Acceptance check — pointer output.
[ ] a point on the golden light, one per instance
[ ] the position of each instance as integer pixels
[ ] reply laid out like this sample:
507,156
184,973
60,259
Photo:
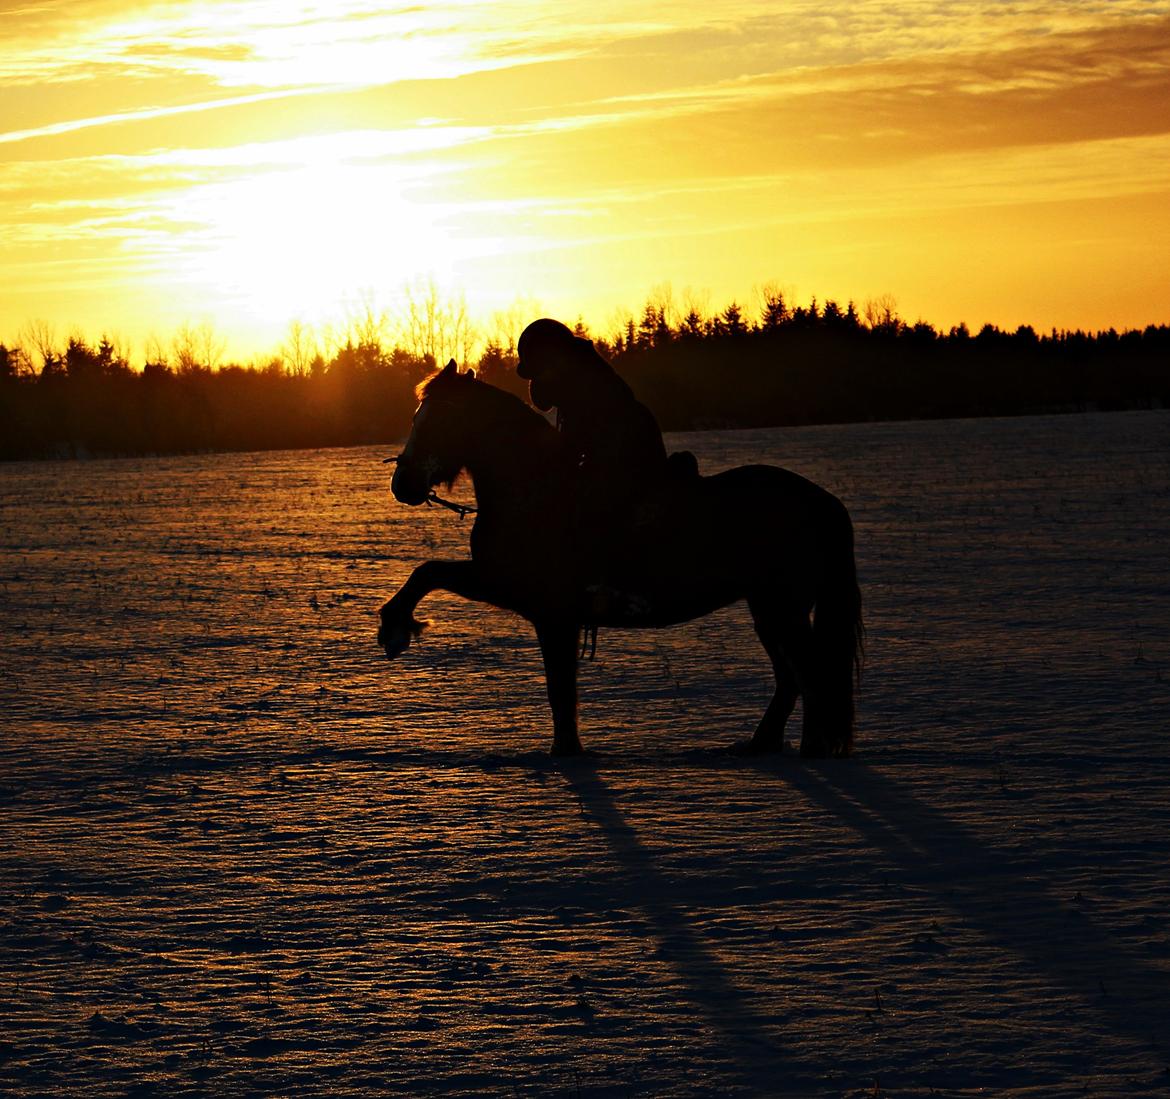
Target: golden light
301,228
251,161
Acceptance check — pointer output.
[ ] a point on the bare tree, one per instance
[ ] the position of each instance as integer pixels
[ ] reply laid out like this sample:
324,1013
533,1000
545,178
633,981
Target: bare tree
211,345
40,336
507,324
464,336
331,339
155,354
661,299
299,348
198,349
185,349
882,312
434,328
367,325
420,321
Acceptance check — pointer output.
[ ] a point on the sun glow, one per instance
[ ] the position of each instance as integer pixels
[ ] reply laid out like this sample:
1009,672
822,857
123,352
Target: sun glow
309,225
251,162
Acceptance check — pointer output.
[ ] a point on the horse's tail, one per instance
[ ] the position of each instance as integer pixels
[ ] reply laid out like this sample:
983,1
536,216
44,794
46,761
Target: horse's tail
838,637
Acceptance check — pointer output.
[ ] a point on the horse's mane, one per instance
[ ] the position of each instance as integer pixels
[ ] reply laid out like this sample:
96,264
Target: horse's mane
494,401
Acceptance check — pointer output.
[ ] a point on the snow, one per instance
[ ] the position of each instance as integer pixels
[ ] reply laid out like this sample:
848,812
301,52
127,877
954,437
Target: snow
240,853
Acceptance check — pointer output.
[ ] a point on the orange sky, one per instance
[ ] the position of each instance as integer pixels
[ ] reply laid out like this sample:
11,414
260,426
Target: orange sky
248,163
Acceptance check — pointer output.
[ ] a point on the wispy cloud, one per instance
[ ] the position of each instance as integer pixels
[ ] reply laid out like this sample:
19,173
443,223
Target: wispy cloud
68,126
183,135
262,43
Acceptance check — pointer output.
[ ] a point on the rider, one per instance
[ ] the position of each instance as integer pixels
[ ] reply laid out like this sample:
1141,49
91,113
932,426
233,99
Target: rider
613,439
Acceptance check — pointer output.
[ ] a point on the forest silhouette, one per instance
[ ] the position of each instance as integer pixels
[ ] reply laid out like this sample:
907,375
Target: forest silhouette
782,366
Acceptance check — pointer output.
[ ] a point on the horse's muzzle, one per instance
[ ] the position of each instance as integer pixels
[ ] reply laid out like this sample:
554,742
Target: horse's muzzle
408,486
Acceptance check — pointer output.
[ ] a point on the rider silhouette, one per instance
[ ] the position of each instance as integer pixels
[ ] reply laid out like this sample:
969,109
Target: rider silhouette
613,441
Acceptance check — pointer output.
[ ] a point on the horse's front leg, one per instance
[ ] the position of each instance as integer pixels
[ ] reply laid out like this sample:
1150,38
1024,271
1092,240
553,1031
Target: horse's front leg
558,646
399,626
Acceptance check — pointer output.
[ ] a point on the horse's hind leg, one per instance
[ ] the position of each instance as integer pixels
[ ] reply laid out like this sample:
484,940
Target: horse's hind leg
836,648
785,638
819,672
828,702
558,646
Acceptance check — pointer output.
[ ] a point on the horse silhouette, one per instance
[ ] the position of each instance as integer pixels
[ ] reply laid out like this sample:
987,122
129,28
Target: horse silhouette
756,532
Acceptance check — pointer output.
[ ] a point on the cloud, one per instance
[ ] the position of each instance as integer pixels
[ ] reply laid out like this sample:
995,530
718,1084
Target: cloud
1071,88
981,127
146,133
819,72
266,44
144,114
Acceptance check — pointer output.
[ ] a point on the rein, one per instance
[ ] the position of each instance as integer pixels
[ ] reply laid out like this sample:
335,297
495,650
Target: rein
462,510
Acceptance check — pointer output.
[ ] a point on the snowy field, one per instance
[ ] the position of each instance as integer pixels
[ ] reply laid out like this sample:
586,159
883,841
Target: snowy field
241,854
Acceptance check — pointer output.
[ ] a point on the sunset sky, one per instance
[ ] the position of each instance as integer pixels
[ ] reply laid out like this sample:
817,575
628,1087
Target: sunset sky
247,163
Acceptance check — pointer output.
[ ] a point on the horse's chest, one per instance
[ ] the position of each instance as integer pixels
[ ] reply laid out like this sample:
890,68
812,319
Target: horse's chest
530,565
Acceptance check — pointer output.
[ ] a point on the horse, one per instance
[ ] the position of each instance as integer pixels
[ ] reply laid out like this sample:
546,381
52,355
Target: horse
757,533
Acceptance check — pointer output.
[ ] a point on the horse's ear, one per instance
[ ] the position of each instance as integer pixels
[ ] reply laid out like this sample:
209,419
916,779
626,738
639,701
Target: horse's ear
451,368
470,375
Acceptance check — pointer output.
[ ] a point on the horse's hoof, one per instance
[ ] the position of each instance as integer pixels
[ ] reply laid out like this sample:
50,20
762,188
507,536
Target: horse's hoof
394,642
395,636
393,651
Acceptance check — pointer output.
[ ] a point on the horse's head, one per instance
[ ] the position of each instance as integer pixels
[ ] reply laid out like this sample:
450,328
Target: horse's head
435,452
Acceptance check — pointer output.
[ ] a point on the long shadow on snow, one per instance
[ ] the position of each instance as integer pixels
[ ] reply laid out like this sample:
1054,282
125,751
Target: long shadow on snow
749,1040
988,888
983,887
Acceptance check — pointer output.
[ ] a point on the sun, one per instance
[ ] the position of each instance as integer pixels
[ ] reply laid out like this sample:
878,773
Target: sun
302,239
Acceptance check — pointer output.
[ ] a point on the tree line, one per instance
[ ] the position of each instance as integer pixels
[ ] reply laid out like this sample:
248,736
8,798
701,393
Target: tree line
777,365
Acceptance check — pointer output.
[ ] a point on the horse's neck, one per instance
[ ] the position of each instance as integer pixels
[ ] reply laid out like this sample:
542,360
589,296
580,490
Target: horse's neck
516,461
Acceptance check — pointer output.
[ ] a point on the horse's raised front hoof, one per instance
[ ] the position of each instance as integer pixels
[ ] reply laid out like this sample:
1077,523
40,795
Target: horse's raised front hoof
394,642
395,635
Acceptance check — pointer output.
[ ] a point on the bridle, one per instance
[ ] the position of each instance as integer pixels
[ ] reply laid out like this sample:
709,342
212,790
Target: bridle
462,510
